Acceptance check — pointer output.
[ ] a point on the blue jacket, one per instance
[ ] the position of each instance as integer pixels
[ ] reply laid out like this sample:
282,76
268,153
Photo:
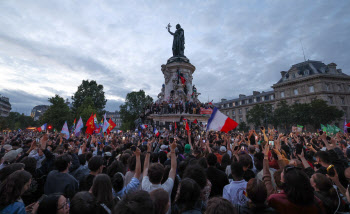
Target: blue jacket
14,208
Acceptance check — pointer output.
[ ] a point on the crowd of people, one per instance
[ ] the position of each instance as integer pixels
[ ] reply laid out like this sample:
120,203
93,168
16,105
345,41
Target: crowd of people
190,172
173,107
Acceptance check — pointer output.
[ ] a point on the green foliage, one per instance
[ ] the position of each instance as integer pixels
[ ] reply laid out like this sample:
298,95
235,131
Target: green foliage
94,91
86,109
134,104
260,115
282,116
17,121
322,113
57,113
242,127
285,116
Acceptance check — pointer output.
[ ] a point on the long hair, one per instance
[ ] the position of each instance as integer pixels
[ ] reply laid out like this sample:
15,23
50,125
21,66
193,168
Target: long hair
257,193
189,194
102,189
12,188
297,186
326,192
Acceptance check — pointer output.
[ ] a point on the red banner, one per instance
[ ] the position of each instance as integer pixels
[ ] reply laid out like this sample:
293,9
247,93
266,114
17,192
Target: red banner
206,111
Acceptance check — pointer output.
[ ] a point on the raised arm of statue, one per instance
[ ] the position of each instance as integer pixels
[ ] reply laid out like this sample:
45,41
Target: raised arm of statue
168,27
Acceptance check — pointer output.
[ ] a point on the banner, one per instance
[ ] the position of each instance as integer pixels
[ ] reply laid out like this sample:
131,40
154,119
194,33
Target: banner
206,111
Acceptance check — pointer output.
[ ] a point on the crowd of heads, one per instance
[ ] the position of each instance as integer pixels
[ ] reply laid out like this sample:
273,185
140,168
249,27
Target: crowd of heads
178,172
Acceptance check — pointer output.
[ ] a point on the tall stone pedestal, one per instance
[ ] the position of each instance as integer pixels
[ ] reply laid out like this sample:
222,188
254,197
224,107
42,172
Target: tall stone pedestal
178,75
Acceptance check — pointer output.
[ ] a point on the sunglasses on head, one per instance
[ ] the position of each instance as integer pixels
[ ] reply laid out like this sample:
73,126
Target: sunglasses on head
290,167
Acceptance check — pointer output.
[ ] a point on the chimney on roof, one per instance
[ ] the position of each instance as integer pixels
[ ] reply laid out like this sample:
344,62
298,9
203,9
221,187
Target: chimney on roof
256,93
332,67
241,95
223,100
283,73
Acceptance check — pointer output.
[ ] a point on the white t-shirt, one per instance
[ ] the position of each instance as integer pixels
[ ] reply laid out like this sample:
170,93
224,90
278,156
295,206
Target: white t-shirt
167,186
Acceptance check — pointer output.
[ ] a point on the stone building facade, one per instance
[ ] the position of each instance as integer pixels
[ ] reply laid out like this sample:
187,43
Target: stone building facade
302,83
38,111
5,106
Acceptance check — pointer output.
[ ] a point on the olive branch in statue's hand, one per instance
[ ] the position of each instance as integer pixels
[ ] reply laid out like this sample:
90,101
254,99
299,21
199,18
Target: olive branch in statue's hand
168,27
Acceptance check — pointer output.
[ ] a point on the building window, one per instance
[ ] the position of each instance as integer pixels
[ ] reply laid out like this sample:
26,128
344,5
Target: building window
293,75
233,104
282,94
266,97
236,104
228,113
306,72
222,106
297,101
262,98
295,91
272,97
254,100
273,108
250,100
339,87
348,87
330,100
258,99
311,89
240,119
239,111
246,110
243,102
342,100
233,112
327,87
230,104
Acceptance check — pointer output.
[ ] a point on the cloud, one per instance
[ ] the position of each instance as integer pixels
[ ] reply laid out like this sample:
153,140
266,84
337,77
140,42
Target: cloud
236,46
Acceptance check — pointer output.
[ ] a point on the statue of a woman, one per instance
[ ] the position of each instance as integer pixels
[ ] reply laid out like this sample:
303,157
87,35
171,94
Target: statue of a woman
179,40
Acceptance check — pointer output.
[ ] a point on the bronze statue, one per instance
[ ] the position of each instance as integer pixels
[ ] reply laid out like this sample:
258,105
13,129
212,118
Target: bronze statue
179,40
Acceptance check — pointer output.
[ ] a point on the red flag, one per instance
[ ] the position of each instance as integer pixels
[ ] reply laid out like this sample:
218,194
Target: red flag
90,125
195,121
183,80
175,126
347,125
187,126
111,126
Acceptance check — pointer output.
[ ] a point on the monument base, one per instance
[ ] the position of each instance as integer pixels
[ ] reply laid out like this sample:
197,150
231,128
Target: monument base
163,120
178,59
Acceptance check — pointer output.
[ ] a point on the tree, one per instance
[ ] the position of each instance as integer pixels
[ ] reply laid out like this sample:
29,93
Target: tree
260,114
134,105
89,89
86,109
17,121
301,113
322,113
282,116
57,113
243,127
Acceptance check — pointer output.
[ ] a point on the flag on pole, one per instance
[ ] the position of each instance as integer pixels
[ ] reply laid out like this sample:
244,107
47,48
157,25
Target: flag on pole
175,127
155,131
73,126
97,126
220,122
111,125
79,126
195,121
90,125
345,127
105,124
42,128
65,130
324,128
299,128
143,126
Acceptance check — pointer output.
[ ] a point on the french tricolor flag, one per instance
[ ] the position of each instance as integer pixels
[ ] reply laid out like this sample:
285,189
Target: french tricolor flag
42,128
220,122
143,126
156,132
